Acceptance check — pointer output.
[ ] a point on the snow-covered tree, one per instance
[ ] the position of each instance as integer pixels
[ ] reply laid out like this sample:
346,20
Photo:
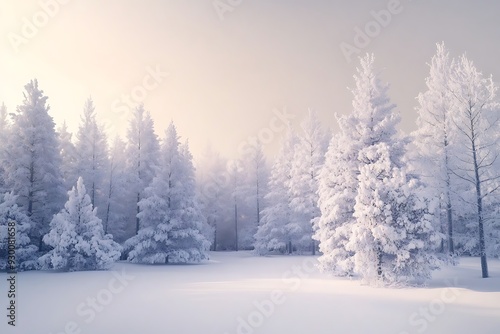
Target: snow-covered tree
67,151
13,219
307,162
477,119
92,156
115,218
278,229
142,159
214,194
253,188
172,224
32,164
371,121
4,134
435,139
393,237
78,238
237,194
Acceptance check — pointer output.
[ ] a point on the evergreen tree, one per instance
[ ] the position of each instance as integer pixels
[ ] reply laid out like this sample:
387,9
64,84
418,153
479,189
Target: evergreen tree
371,121
307,162
78,238
171,221
115,220
33,163
11,217
92,156
67,151
142,159
4,135
214,194
253,188
279,230
393,237
435,140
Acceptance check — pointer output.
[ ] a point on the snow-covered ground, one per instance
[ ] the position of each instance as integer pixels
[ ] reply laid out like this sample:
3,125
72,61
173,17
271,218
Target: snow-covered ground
242,293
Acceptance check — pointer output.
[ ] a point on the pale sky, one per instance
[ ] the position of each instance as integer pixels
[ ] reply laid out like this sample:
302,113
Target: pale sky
225,76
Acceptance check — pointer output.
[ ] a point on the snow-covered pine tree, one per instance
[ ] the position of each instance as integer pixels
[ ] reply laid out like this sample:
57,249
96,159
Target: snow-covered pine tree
115,220
142,158
33,164
67,151
254,188
77,236
171,221
92,157
307,162
477,118
393,237
278,230
4,134
194,213
433,160
214,195
11,216
371,121
237,193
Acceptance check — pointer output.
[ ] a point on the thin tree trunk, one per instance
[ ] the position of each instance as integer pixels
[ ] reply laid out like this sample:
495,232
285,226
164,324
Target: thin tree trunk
482,247
137,212
235,226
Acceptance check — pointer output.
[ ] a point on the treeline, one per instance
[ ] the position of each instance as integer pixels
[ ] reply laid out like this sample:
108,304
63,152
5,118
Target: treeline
375,202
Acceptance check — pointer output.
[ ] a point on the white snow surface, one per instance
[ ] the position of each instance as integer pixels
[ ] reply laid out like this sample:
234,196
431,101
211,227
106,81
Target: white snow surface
221,296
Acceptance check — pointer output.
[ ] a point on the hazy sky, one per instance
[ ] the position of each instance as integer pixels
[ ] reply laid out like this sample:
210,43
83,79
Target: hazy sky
229,68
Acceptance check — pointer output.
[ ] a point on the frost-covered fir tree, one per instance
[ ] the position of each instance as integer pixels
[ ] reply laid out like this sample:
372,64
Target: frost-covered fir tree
478,121
92,156
142,159
279,230
393,238
171,221
67,151
371,121
117,187
33,170
77,236
307,162
435,141
4,134
13,219
253,189
214,194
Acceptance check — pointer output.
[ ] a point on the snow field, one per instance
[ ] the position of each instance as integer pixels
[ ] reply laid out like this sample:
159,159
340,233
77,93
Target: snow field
237,292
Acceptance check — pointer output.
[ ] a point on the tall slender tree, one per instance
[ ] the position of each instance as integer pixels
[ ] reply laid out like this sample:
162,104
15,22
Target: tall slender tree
92,157
4,135
116,192
142,158
67,151
279,230
33,163
307,162
477,119
435,138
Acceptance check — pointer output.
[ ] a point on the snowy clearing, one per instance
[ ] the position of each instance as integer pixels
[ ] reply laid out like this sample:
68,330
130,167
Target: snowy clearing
242,293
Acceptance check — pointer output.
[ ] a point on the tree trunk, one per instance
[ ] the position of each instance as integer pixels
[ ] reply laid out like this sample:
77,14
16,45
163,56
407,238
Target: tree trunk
482,247
137,218
235,226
